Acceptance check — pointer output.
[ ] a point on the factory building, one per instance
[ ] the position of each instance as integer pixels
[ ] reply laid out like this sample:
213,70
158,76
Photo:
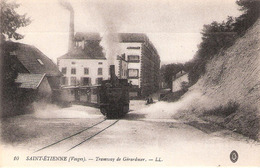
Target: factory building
86,64
143,63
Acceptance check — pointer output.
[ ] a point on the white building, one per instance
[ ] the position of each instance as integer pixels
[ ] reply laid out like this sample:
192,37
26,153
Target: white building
143,63
133,55
178,79
83,71
86,64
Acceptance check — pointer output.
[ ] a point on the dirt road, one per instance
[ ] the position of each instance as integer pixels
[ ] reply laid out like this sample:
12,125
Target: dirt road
146,136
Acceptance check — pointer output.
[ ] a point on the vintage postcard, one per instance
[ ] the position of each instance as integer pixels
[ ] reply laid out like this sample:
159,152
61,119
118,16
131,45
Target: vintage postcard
130,83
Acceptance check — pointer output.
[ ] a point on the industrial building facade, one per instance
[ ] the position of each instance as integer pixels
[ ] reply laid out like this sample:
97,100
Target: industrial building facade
143,63
86,64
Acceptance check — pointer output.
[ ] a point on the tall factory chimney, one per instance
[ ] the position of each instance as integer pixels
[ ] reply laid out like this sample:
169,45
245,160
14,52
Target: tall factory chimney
71,31
69,7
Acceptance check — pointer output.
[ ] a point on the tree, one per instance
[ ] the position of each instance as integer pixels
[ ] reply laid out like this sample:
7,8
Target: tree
251,12
11,20
170,70
217,37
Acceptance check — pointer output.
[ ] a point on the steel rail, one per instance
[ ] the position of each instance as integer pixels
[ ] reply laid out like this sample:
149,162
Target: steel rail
93,135
69,136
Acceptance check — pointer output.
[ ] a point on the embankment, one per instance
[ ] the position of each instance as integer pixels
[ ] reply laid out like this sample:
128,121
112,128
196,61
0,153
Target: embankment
229,92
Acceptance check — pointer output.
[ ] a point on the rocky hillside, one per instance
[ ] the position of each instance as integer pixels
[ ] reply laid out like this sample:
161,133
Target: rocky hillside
229,93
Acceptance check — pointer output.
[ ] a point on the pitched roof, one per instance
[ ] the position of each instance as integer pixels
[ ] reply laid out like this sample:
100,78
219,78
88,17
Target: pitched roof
180,74
84,54
123,37
29,81
95,51
79,36
33,59
133,37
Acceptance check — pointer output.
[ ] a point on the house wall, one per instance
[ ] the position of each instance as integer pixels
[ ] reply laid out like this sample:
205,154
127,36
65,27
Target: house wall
83,95
121,68
176,84
67,95
92,65
44,89
54,81
148,67
79,65
133,49
150,70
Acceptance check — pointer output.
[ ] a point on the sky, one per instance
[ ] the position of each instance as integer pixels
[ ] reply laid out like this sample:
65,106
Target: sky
173,26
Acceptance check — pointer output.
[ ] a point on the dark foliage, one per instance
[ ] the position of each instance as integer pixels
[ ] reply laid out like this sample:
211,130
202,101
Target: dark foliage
169,71
10,89
251,12
223,111
11,20
14,100
217,37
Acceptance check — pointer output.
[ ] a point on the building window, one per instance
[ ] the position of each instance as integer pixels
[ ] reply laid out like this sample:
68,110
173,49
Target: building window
73,62
99,80
12,53
73,70
64,81
64,70
85,81
134,48
100,71
40,61
133,58
86,71
100,63
133,73
95,91
72,91
123,56
73,81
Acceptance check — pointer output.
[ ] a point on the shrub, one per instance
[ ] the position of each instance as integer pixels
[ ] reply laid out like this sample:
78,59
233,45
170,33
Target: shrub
224,111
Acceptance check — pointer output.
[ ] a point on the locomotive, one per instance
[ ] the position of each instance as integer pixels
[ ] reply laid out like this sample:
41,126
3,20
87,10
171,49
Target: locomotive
114,96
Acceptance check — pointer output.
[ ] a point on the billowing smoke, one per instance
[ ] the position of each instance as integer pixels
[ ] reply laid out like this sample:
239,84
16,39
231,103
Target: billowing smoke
110,44
47,110
67,5
165,110
113,15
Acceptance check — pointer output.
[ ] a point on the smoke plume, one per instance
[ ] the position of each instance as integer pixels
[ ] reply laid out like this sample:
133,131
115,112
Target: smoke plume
165,110
67,5
113,15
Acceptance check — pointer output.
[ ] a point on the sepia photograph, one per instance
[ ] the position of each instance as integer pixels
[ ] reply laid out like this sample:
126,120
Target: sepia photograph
136,83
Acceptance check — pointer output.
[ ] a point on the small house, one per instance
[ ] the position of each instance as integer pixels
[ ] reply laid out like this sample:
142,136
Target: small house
37,77
179,80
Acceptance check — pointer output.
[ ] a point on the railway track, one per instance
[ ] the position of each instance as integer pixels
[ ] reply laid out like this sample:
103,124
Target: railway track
83,138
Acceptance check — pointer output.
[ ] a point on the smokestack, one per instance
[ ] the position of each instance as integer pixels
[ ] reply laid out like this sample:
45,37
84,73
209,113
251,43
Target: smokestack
69,7
71,31
113,76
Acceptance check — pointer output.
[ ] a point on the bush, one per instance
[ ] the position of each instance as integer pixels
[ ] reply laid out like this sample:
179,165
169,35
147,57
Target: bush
245,121
173,96
184,85
223,111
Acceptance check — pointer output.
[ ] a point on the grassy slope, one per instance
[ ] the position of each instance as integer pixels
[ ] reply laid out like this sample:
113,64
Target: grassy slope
232,76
